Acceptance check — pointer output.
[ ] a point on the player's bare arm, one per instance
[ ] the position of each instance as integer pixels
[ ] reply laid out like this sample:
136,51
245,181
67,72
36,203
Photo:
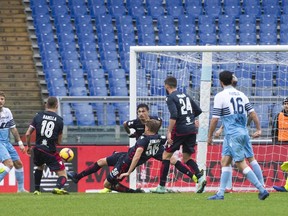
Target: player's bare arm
18,139
172,123
28,139
213,125
253,115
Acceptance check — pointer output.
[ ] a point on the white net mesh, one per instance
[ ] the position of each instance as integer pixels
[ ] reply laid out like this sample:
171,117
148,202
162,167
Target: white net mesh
261,75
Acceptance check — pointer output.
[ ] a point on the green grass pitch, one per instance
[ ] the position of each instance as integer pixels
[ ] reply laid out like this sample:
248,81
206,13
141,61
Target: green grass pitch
147,204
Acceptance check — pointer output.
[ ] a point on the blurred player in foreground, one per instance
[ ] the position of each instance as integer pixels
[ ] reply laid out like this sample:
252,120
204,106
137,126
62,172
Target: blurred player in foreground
49,128
8,154
233,107
284,167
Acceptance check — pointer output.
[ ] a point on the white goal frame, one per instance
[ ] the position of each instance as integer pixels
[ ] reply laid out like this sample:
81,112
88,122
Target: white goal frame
205,86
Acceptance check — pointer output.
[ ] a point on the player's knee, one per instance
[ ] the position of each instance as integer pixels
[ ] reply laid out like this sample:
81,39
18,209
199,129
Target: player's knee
8,163
18,164
107,184
102,162
173,160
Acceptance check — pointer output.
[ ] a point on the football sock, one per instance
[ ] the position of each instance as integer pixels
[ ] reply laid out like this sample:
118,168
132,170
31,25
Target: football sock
164,172
183,168
194,167
121,188
61,182
3,174
225,175
37,178
19,174
91,169
257,170
286,185
229,181
253,179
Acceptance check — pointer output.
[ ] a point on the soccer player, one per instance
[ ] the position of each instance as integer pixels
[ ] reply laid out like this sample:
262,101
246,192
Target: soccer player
49,128
233,107
146,146
181,131
8,154
138,125
284,167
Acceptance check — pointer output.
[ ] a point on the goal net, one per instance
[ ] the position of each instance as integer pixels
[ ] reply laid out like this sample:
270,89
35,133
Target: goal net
262,75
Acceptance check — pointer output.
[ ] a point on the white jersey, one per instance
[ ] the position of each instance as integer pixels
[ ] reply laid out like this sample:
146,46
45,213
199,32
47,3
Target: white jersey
6,122
233,107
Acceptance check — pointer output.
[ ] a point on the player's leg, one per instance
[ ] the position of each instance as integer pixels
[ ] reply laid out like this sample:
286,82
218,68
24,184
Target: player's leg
257,169
55,164
229,187
38,160
6,160
183,168
19,170
239,158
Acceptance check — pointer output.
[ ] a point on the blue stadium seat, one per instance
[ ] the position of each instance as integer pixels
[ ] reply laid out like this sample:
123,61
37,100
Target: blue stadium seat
254,10
87,56
146,39
57,91
226,29
77,91
70,64
117,10
173,3
45,37
65,37
270,2
69,55
136,10
153,3
75,73
272,9
51,64
56,2
85,120
97,82
283,38
155,11
194,10
175,11
115,2
78,10
227,39
167,39
213,10
109,55
56,82
49,55
98,91
89,65
44,28
40,9
95,73
232,10
247,28
193,2
107,46
134,2
248,39
66,108
68,119
59,9
186,39
110,64
96,2
268,38
53,73
119,91
96,10
117,82
207,39
117,73
247,18
76,81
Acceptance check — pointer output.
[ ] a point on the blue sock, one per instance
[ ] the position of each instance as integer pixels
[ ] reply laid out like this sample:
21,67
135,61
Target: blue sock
19,174
253,179
257,170
225,175
229,181
3,174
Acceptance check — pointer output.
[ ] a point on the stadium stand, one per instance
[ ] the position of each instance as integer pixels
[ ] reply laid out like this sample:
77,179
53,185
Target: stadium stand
89,41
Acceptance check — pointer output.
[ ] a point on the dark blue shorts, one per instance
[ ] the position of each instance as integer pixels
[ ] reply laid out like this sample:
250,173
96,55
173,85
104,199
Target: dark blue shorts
188,143
113,159
52,160
120,167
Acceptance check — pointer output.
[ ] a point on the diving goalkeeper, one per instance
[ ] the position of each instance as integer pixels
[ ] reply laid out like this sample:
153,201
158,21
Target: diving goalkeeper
284,167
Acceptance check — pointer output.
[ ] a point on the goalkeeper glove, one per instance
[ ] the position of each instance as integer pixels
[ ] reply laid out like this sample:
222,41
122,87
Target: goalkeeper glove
284,166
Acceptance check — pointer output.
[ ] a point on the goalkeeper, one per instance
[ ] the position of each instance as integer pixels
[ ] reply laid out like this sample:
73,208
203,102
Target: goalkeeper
284,167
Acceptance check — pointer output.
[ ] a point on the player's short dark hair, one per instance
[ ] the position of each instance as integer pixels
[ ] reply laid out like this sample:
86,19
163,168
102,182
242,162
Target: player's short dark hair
2,94
143,105
52,102
285,100
171,81
153,125
226,77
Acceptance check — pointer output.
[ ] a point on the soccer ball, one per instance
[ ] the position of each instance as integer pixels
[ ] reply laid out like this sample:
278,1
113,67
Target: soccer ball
66,154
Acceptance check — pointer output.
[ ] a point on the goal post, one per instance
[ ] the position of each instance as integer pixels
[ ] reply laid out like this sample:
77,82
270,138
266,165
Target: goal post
196,69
